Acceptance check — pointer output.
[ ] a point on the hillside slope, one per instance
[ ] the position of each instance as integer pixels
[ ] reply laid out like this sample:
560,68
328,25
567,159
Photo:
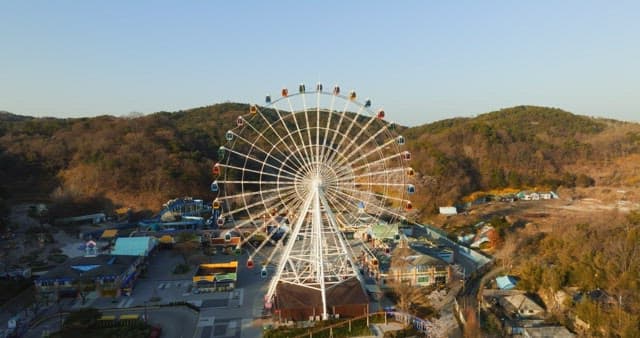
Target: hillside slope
521,147
140,162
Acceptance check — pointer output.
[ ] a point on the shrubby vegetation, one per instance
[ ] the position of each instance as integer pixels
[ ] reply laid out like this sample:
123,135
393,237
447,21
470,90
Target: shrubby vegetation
601,256
142,161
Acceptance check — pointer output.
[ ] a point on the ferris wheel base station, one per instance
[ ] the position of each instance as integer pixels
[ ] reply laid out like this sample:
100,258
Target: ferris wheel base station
298,303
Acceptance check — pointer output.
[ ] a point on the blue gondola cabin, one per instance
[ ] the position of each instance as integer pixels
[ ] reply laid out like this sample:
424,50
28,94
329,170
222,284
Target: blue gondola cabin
411,189
214,186
229,135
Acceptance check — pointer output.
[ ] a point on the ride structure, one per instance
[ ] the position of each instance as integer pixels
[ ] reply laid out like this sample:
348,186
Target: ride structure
293,175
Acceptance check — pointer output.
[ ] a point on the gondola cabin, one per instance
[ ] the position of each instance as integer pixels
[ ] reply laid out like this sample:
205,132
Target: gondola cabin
361,205
216,204
352,95
267,99
380,114
374,262
274,212
301,88
253,109
336,90
227,236
400,140
229,135
220,153
216,169
392,126
410,172
408,206
240,121
220,223
214,186
411,189
263,272
250,264
285,92
238,251
319,87
406,156
367,103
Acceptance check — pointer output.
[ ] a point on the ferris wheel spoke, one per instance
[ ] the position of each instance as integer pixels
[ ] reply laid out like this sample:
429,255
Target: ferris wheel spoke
269,238
273,146
336,130
328,126
257,162
353,140
356,151
308,126
345,135
370,174
293,116
257,182
287,133
375,206
373,194
250,193
378,149
377,184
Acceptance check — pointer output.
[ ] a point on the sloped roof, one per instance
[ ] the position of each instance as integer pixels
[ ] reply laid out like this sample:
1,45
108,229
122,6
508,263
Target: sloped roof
134,246
505,282
292,296
90,267
381,231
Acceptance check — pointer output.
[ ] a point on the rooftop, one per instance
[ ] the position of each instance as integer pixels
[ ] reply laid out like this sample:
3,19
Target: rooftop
90,267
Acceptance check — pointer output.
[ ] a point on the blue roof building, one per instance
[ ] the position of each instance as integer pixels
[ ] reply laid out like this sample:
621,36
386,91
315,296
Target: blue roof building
134,246
506,282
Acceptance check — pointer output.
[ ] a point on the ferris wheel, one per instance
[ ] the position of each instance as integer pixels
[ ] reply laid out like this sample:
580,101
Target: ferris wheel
297,172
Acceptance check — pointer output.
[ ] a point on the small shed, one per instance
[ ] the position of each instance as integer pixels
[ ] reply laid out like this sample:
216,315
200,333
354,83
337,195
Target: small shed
448,211
506,282
134,246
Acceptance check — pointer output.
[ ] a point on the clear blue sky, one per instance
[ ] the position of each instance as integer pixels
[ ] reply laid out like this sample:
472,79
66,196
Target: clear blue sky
421,60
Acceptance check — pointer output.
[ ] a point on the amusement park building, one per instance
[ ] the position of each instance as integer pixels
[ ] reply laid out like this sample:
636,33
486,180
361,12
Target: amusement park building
421,270
109,275
134,246
297,303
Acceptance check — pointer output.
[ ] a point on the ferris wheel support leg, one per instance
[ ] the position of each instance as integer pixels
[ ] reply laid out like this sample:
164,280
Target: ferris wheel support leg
318,243
287,251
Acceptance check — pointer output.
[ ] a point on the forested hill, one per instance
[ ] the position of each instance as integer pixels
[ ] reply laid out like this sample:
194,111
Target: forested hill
522,147
143,161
